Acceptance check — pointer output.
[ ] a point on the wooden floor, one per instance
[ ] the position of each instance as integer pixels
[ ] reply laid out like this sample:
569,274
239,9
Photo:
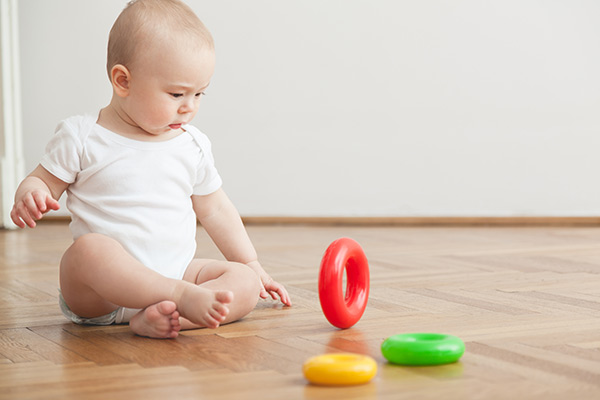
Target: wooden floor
526,301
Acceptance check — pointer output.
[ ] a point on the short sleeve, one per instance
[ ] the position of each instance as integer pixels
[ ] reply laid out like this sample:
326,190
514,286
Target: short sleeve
63,153
208,179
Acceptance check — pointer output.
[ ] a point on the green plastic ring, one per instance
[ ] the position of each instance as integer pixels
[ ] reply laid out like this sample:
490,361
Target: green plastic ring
422,349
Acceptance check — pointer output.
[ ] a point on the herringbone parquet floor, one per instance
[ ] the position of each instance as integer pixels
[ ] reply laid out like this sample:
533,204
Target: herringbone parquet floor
526,301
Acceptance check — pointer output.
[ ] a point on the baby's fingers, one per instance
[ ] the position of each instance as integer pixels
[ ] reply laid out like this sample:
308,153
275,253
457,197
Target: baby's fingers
32,204
45,202
52,203
284,297
40,202
21,215
14,215
277,288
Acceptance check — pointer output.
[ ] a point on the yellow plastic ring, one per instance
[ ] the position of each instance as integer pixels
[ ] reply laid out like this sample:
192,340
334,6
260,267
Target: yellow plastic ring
338,369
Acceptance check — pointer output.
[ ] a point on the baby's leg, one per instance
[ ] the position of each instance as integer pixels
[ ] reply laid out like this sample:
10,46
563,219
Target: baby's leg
97,275
223,275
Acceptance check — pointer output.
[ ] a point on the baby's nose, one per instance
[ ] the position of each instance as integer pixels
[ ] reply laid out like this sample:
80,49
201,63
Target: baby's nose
186,107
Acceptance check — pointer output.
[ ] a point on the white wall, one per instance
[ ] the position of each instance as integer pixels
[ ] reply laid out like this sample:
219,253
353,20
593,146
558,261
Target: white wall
365,108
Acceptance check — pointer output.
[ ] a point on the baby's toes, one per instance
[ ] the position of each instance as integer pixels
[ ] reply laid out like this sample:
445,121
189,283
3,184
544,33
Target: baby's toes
224,296
221,309
216,315
211,322
167,307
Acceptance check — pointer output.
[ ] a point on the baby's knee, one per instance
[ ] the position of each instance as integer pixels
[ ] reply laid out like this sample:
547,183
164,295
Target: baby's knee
87,247
94,239
250,279
94,242
248,283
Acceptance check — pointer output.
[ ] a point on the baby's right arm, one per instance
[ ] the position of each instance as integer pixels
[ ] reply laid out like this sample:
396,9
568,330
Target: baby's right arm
36,195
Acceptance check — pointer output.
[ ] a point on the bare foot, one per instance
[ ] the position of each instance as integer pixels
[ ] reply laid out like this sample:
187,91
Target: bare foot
160,320
205,307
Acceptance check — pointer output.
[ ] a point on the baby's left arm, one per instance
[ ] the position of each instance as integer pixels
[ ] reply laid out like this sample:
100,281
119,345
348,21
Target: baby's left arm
222,222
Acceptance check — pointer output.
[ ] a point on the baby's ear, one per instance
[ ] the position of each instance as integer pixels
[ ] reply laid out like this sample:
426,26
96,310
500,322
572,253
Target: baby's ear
119,77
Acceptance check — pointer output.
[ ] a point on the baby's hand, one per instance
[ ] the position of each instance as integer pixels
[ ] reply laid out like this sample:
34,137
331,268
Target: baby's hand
269,286
31,207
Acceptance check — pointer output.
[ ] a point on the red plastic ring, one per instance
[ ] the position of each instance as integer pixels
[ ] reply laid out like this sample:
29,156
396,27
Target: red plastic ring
344,310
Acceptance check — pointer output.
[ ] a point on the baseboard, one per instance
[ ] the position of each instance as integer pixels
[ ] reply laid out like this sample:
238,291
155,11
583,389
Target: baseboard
425,221
404,221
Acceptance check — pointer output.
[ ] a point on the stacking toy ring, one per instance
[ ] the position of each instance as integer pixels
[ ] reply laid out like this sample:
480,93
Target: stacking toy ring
422,349
339,369
344,310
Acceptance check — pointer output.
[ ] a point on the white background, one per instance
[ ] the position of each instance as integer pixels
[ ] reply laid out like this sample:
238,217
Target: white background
361,107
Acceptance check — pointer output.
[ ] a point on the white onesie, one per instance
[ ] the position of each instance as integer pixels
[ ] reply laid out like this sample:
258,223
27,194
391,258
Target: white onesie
138,193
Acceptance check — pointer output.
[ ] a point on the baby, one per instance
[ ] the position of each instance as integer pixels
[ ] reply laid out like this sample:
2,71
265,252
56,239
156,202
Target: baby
137,178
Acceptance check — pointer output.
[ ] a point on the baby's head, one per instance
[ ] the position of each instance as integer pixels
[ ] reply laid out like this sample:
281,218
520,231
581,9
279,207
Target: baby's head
160,61
145,24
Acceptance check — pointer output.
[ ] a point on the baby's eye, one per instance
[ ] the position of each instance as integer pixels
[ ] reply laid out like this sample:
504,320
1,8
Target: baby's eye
200,94
176,95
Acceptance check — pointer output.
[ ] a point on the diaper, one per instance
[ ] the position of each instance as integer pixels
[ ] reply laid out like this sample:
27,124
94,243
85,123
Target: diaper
121,315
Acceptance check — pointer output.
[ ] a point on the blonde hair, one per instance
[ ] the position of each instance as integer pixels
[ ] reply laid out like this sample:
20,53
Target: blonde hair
144,21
